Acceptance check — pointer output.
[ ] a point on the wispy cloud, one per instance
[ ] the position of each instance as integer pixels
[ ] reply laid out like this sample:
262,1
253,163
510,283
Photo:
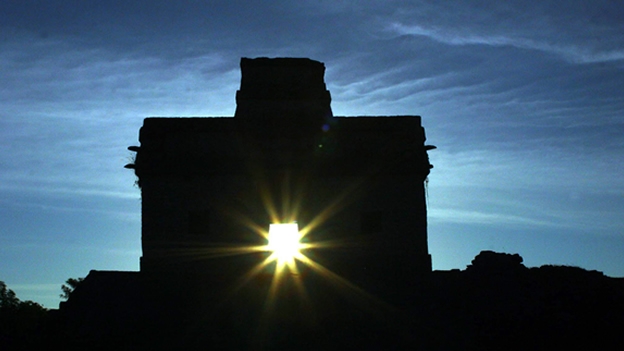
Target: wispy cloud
578,53
487,218
35,287
69,113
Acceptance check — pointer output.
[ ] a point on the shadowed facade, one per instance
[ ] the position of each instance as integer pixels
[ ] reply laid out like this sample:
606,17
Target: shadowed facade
211,187
358,183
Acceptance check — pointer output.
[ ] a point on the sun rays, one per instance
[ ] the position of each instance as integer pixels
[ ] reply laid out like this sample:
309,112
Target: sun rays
290,259
285,249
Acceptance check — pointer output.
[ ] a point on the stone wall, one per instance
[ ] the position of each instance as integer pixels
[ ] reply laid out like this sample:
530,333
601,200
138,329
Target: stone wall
208,182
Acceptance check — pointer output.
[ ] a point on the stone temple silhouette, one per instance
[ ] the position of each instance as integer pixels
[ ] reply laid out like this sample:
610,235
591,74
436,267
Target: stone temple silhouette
208,184
284,157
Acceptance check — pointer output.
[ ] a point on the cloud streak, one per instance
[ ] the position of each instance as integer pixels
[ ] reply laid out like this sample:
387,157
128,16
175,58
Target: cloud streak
476,217
571,53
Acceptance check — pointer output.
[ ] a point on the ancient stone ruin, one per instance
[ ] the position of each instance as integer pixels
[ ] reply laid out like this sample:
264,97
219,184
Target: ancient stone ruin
209,185
285,157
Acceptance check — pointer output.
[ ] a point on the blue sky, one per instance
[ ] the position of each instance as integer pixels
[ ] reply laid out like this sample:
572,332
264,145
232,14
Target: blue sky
524,100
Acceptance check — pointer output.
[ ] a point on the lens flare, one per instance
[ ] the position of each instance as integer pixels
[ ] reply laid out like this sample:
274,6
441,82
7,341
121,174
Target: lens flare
287,264
284,242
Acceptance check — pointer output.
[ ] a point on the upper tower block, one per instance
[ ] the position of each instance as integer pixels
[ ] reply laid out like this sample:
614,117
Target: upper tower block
286,89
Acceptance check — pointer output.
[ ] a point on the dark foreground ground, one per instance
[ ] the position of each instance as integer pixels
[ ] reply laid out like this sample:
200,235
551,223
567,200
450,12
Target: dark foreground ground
494,304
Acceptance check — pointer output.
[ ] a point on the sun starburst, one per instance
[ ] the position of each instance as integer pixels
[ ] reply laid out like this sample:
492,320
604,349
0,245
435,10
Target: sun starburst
284,241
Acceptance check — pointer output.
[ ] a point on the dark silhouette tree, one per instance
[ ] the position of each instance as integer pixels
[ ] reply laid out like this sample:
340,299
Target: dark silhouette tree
8,299
495,262
22,323
72,284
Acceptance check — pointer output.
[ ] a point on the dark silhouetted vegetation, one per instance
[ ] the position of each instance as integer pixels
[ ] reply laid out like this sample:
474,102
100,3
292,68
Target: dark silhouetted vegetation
72,284
496,303
23,324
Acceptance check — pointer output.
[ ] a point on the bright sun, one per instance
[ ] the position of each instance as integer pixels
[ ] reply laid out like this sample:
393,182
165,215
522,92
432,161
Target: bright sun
284,241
